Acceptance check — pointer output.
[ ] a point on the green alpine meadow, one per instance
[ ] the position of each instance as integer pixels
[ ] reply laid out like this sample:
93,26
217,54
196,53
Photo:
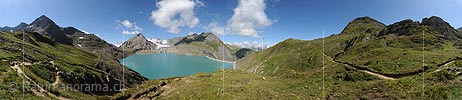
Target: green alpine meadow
230,50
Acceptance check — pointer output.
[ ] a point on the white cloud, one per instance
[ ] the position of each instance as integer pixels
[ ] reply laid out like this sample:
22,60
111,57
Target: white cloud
130,32
249,16
127,24
215,28
168,10
129,27
252,45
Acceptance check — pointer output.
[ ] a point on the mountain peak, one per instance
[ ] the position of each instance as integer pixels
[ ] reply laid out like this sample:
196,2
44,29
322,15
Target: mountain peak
139,35
366,19
44,22
21,26
136,43
43,17
363,25
439,25
205,36
45,25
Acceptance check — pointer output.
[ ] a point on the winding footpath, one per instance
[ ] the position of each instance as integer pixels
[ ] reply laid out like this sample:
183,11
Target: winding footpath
40,89
256,68
443,65
366,71
393,76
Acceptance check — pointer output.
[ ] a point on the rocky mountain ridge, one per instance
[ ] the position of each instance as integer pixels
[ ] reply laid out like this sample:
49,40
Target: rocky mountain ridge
204,44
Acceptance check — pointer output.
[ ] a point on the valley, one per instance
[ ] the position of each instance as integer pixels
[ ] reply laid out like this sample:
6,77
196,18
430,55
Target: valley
366,60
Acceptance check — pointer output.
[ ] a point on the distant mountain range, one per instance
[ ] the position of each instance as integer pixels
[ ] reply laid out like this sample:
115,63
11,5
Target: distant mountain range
204,44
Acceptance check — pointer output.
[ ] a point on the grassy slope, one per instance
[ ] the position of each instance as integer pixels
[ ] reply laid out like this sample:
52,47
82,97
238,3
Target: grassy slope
11,83
66,58
297,69
390,54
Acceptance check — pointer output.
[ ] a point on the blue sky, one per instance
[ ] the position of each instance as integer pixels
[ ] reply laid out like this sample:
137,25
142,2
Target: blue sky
300,19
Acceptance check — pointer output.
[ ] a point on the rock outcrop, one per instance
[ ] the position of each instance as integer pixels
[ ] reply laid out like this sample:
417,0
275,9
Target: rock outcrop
400,28
137,43
442,27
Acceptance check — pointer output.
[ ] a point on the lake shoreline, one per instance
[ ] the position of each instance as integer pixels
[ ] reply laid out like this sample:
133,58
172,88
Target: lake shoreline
164,65
155,52
234,63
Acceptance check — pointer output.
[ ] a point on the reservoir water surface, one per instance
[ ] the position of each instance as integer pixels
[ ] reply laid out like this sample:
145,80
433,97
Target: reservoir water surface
165,65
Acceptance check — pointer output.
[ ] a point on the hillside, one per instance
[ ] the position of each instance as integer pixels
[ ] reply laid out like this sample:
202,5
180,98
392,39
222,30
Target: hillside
392,52
362,62
380,62
54,64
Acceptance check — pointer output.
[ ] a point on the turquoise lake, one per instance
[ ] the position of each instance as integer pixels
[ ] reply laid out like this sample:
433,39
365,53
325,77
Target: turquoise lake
157,66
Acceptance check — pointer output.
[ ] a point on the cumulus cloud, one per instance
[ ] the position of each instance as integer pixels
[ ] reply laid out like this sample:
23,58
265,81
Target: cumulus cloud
251,45
130,32
174,14
215,28
127,24
129,27
249,16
